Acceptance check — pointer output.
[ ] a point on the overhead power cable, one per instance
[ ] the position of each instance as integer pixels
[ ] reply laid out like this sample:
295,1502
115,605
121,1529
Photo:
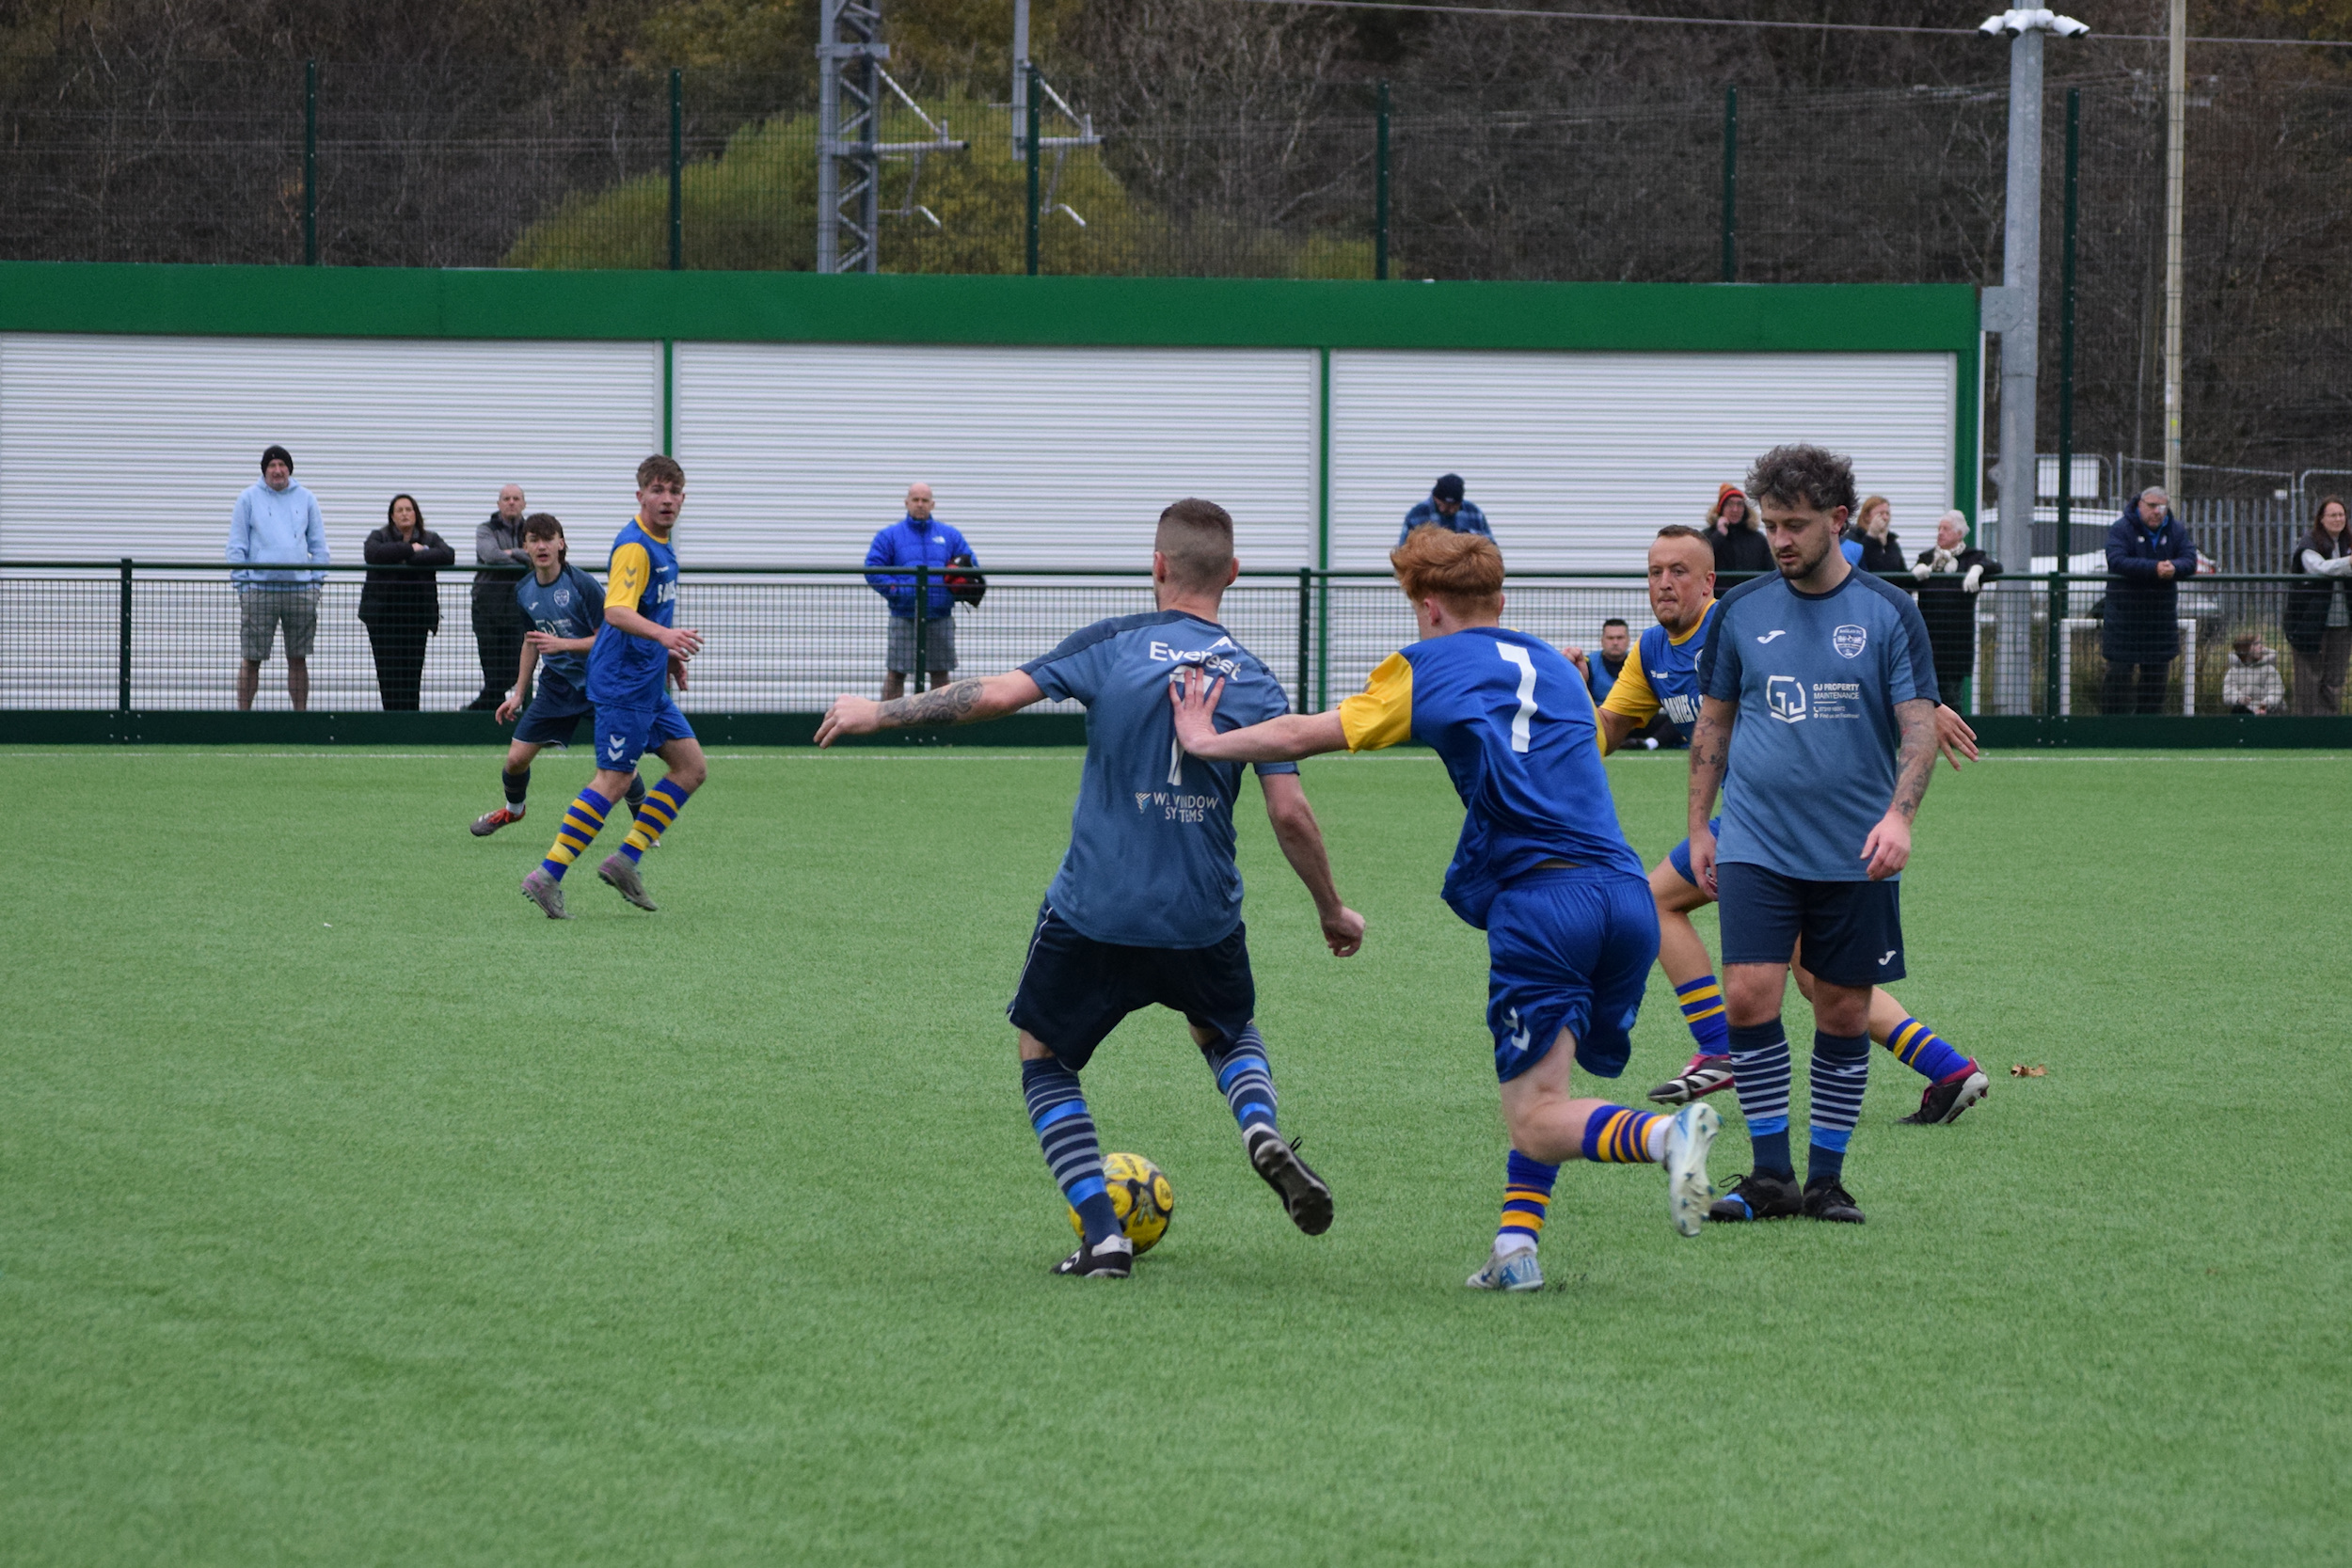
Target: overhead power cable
1534,15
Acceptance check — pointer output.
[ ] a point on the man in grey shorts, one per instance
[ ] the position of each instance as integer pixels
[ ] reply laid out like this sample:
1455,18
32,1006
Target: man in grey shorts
277,522
918,538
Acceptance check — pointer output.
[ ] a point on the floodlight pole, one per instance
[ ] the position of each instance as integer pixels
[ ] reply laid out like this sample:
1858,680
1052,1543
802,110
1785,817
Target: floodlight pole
2015,313
2175,173
850,53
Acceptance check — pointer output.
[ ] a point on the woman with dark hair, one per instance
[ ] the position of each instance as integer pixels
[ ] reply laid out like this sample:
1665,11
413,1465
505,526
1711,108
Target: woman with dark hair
2318,619
401,608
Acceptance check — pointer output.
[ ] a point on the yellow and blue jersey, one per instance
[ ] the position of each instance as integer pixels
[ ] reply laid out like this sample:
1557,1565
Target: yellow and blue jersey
1663,676
1516,728
625,671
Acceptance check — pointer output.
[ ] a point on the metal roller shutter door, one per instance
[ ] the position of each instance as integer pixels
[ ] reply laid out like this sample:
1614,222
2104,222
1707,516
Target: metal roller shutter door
1578,459
114,446
796,454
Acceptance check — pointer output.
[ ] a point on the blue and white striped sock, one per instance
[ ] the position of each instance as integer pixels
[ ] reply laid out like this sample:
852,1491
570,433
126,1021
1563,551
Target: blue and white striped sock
1065,1130
1842,1071
1243,1072
1759,1066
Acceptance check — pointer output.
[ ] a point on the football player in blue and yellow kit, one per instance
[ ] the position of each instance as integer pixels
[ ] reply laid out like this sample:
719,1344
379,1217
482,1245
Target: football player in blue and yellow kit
1662,678
637,653
1146,907
1542,868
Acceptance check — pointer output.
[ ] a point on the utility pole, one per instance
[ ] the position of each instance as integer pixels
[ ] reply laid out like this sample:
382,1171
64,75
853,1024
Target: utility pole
2175,171
2014,311
1020,78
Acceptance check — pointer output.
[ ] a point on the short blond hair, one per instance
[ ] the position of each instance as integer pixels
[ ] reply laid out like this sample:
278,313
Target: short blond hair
1463,569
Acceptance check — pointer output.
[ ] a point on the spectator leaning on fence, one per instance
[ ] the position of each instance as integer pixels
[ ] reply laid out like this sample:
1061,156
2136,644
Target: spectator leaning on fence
917,539
2251,682
400,605
2149,551
1446,509
2318,619
1870,544
1739,546
277,522
499,622
1949,578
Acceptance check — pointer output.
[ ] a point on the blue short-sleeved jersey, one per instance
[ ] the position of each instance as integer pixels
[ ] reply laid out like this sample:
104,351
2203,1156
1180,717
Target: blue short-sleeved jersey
1514,727
1150,860
625,671
1816,678
1663,676
571,606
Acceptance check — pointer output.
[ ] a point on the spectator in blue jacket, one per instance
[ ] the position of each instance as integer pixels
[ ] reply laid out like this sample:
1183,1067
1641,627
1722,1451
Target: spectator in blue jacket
277,522
2149,551
918,538
1446,508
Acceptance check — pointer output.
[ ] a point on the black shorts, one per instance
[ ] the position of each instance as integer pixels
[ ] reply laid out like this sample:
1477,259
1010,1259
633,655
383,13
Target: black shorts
1074,990
1852,931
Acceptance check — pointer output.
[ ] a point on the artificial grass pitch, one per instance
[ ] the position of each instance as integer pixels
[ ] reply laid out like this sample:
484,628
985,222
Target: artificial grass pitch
351,1212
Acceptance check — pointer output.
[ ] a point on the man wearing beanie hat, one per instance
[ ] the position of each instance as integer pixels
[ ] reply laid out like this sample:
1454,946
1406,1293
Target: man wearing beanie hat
275,522
1446,508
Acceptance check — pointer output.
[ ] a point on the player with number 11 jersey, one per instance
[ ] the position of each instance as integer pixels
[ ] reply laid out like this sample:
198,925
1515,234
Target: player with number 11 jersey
1542,867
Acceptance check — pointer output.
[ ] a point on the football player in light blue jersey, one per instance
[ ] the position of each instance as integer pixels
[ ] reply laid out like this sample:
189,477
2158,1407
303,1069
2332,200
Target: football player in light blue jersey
1146,907
1819,680
1663,676
1542,867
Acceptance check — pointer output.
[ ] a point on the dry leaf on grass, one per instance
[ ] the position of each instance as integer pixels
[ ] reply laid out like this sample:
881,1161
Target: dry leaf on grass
2018,1070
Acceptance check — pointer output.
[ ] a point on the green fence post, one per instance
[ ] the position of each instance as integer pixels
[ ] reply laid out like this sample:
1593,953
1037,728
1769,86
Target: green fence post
2066,405
122,652
1034,96
1731,184
1306,629
1380,191
310,163
677,170
922,616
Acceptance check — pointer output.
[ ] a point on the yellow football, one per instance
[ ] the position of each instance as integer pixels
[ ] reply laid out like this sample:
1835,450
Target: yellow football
1139,1192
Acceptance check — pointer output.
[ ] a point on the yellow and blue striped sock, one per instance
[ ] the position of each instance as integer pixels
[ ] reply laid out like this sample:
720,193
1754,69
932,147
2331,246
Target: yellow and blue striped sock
583,820
1925,1053
1526,1198
1616,1136
1702,1003
662,804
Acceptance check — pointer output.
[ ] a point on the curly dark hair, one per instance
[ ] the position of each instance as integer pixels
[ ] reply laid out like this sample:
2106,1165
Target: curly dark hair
1811,477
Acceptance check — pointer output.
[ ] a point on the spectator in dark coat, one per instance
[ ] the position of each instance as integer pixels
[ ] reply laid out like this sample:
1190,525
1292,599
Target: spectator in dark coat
1949,578
1446,508
1740,545
2318,619
1870,541
499,622
2149,551
401,608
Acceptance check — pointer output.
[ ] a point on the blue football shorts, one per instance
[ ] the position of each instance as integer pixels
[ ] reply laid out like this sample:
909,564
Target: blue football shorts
1568,949
553,716
1679,856
1852,931
625,733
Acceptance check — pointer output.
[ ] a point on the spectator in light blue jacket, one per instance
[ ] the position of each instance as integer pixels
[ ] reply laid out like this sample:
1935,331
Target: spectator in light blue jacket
277,522
1446,508
918,538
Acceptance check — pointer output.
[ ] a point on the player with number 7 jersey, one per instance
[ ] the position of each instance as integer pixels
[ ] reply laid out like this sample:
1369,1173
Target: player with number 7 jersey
1542,867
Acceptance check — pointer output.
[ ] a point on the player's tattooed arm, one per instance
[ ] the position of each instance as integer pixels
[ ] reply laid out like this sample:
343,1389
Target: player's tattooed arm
1711,757
967,701
1888,848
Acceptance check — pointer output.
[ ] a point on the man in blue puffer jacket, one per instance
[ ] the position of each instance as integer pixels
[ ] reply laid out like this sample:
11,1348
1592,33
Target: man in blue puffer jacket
2149,551
918,538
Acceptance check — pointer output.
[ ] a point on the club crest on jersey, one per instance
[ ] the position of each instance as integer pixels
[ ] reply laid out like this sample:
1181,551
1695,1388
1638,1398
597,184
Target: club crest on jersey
1849,641
1783,697
562,596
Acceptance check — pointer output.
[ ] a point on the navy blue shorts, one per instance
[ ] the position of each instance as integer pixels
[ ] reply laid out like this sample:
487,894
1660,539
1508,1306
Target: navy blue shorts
625,733
552,718
1074,990
1568,949
1852,931
1679,856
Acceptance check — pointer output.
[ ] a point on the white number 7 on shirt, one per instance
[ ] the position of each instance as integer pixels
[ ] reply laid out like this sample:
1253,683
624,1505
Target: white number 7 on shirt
1513,653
